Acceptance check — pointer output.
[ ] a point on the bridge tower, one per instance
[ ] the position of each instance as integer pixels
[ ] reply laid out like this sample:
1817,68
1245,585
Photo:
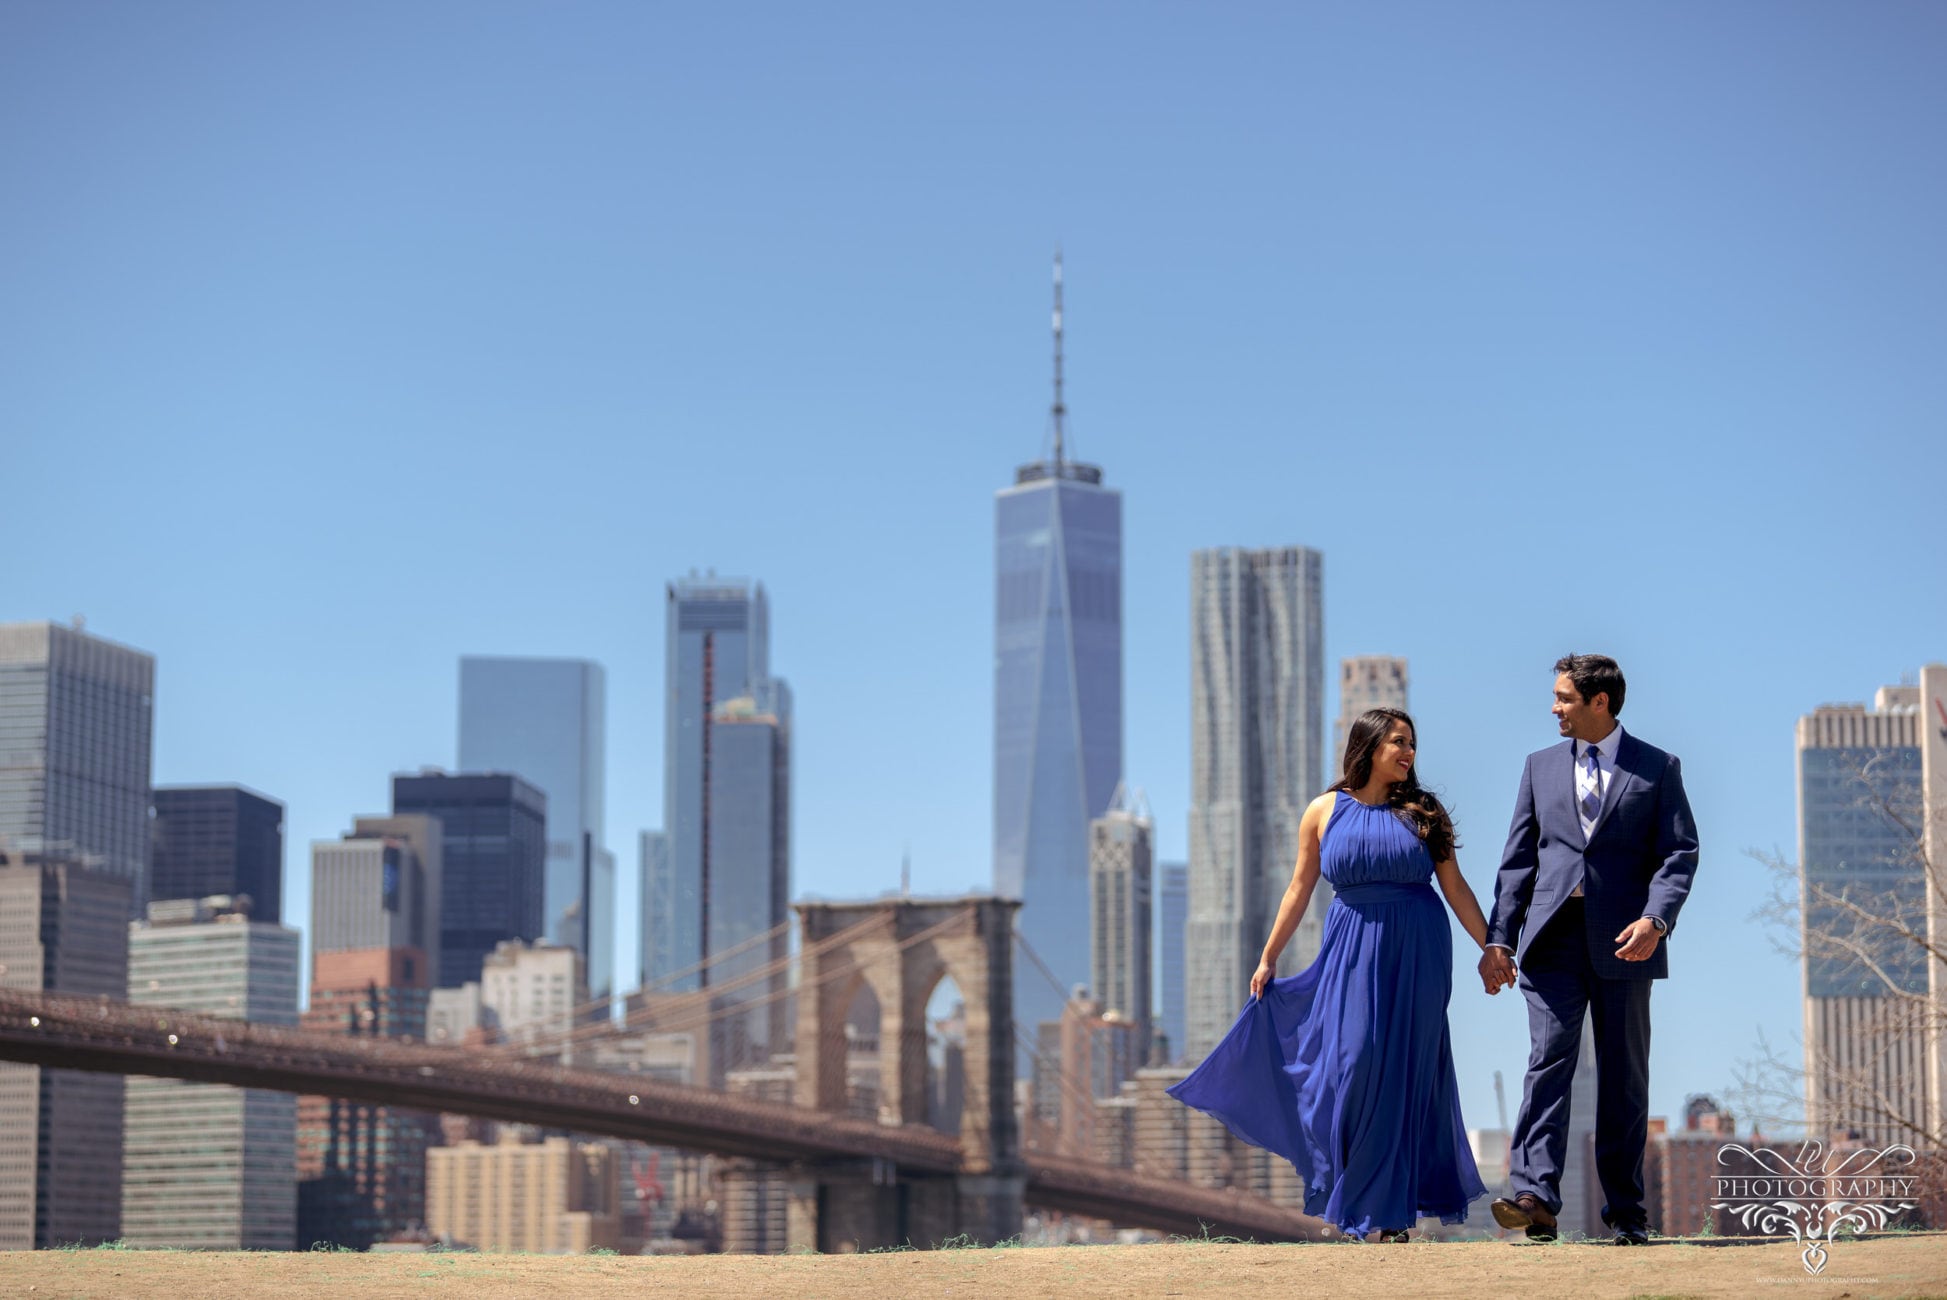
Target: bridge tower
902,949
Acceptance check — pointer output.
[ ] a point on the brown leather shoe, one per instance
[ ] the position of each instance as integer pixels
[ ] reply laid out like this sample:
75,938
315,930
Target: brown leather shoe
1525,1211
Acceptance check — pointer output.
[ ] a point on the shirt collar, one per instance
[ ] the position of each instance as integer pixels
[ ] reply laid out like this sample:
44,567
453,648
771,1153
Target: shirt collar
1606,747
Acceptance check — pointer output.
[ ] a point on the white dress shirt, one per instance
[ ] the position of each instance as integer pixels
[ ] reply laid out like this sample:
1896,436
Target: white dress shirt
1605,762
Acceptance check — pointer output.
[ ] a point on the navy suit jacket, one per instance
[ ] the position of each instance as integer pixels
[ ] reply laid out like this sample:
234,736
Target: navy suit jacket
1639,861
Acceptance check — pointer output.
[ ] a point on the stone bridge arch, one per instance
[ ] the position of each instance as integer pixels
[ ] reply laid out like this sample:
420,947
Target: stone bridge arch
902,948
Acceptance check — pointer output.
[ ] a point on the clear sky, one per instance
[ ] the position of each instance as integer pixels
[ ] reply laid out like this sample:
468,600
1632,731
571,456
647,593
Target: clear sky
339,341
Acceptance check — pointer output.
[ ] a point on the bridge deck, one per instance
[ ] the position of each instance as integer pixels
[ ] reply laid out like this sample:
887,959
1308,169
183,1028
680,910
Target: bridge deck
97,1035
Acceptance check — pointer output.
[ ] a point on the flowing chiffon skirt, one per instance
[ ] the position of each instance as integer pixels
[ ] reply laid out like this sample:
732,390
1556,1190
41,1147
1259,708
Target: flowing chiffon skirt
1346,1068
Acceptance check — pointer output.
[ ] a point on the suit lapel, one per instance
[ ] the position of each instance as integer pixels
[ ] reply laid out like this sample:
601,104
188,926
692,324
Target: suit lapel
1627,755
1560,766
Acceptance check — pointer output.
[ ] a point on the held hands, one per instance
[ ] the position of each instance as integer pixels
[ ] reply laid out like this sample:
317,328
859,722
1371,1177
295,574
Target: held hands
1638,940
1497,969
1265,974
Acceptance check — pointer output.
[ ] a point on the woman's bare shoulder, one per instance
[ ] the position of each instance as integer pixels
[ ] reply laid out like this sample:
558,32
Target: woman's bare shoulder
1319,810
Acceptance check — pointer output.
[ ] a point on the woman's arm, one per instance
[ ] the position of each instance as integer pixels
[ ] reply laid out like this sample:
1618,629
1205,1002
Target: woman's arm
1298,894
1460,897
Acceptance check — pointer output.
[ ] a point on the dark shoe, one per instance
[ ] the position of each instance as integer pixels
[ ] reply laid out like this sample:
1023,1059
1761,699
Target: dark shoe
1525,1211
1632,1237
1400,1234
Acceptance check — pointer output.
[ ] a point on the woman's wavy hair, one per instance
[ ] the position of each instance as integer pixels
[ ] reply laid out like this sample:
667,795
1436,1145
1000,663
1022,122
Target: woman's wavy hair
1415,805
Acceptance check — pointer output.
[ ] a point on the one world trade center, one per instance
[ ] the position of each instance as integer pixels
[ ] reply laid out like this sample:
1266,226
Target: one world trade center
1057,702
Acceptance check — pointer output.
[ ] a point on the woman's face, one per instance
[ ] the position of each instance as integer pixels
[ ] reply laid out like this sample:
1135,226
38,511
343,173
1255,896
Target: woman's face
1393,759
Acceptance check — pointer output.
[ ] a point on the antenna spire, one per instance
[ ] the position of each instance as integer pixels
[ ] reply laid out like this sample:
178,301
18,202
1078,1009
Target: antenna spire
1060,411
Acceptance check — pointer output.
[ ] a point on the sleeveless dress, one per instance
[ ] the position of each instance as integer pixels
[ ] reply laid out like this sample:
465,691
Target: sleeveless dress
1346,1068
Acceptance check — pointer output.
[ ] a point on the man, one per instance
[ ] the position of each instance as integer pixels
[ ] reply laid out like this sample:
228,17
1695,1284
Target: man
1598,862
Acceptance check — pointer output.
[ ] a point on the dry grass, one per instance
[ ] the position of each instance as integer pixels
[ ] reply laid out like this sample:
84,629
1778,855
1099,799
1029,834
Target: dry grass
1898,1265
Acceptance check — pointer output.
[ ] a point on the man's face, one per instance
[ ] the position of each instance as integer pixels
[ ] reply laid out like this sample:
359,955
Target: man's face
1580,719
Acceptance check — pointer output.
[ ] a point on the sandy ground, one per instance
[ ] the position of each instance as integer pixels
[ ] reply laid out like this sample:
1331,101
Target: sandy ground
1897,1265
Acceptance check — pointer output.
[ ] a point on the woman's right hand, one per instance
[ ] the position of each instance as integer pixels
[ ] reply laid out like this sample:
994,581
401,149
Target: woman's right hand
1265,974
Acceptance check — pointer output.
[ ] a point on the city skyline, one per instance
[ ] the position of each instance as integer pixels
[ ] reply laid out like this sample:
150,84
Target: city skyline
1487,286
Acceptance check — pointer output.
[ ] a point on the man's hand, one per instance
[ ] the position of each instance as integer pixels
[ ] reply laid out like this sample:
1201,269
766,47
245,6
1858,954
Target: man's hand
1638,940
1497,969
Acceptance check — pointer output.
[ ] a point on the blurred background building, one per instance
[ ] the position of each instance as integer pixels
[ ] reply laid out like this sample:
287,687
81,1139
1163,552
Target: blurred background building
206,1166
493,862
1365,682
77,722
1257,682
209,841
544,721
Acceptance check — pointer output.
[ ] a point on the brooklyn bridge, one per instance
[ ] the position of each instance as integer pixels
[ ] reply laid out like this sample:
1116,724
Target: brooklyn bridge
848,1182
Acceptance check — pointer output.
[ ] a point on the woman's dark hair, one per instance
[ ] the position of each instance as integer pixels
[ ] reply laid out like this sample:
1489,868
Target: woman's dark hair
1416,806
1594,675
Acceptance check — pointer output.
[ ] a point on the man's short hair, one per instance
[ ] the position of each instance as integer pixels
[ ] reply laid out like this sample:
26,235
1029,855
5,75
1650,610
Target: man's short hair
1595,675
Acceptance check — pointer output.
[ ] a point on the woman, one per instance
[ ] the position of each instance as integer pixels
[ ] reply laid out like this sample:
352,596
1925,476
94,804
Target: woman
1345,1068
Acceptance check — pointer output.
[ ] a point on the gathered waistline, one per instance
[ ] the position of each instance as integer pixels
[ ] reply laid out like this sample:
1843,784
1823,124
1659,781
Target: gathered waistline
1383,891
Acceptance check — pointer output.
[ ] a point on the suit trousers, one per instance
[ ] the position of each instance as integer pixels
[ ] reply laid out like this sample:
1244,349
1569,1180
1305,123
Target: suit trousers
1561,986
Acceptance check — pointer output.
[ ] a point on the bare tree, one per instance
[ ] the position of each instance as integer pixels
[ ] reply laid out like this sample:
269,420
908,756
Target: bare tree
1858,924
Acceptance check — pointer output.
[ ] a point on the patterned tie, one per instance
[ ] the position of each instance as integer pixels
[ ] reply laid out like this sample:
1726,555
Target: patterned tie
1592,796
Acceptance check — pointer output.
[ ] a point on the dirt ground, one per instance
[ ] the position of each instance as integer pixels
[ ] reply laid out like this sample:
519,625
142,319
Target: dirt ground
1896,1265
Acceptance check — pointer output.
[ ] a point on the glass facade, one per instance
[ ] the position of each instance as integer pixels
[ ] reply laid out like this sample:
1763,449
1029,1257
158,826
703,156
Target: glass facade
659,901
223,839
76,727
750,880
725,855
1057,710
493,859
543,720
1852,803
1172,912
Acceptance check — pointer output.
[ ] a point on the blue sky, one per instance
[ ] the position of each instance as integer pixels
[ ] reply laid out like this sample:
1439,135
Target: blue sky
341,341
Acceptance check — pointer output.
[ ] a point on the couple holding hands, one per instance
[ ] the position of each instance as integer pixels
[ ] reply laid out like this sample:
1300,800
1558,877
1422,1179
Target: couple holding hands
1346,1068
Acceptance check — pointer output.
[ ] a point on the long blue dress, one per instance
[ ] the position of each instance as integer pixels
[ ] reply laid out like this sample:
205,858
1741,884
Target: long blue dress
1346,1068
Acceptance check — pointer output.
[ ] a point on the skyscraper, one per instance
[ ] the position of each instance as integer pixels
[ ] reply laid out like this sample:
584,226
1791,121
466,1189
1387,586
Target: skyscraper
63,929
1057,698
1365,682
1172,914
1860,810
210,840
493,858
1256,722
76,726
234,1186
542,720
726,763
1121,849
378,889
658,894
749,895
